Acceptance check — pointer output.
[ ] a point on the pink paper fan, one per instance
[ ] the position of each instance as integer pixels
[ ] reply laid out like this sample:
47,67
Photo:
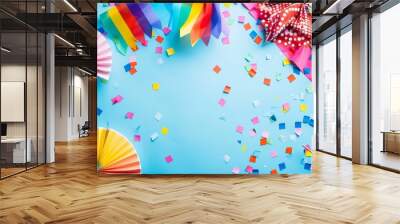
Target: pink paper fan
104,57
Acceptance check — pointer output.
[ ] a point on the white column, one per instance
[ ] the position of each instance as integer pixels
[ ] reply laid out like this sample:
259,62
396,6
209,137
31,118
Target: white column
360,90
50,99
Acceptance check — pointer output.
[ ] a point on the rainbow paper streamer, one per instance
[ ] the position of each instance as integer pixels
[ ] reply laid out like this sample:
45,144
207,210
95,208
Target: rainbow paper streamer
127,23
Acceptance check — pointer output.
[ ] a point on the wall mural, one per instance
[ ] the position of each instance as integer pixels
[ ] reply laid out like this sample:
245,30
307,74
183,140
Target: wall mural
204,88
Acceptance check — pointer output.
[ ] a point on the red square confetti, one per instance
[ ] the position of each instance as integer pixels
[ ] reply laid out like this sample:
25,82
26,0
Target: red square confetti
267,81
159,39
253,159
274,171
252,72
291,78
217,69
289,150
227,89
258,40
247,26
263,141
132,71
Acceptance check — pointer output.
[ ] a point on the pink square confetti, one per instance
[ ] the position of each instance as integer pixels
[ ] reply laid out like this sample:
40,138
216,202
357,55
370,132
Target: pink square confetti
254,66
239,129
255,120
252,133
241,19
226,14
249,169
222,102
235,170
274,154
117,99
285,107
298,131
169,159
166,30
129,115
225,40
137,138
265,134
159,50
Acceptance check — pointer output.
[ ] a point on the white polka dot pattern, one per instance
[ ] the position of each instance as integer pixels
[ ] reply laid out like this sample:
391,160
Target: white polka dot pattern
288,24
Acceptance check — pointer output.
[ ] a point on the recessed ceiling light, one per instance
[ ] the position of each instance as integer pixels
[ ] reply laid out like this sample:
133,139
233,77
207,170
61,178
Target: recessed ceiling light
5,50
84,71
70,5
64,40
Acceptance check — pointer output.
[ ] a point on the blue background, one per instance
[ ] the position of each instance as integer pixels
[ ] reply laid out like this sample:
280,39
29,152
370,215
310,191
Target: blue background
188,101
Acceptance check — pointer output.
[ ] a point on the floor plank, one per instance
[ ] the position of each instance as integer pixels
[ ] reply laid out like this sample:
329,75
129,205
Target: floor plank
70,191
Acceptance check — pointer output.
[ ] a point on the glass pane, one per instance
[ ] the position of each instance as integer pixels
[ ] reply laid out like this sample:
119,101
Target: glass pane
13,86
31,98
385,89
327,96
41,98
346,94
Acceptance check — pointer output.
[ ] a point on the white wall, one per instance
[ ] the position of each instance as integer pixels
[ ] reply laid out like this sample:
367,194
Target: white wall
71,102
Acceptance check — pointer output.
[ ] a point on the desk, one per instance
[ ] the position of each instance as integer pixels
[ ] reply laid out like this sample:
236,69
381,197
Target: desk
391,141
16,147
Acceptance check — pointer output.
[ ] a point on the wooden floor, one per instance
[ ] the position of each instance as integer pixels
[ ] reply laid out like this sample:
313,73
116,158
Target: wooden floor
70,191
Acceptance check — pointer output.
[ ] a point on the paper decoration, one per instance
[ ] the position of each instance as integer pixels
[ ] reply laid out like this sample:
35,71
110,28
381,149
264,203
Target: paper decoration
104,57
241,19
264,126
249,169
267,81
129,115
217,69
236,170
170,51
169,159
158,116
227,89
164,131
227,158
117,99
137,138
154,136
291,78
221,102
155,86
285,107
114,158
303,107
225,40
255,120
200,20
239,129
247,26
283,21
159,50
159,39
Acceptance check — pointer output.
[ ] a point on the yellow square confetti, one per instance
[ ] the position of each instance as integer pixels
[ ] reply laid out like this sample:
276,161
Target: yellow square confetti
156,86
170,51
244,148
308,153
227,5
164,131
286,61
303,107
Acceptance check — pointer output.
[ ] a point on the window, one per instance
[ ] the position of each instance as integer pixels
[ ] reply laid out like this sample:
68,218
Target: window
346,93
327,96
385,89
